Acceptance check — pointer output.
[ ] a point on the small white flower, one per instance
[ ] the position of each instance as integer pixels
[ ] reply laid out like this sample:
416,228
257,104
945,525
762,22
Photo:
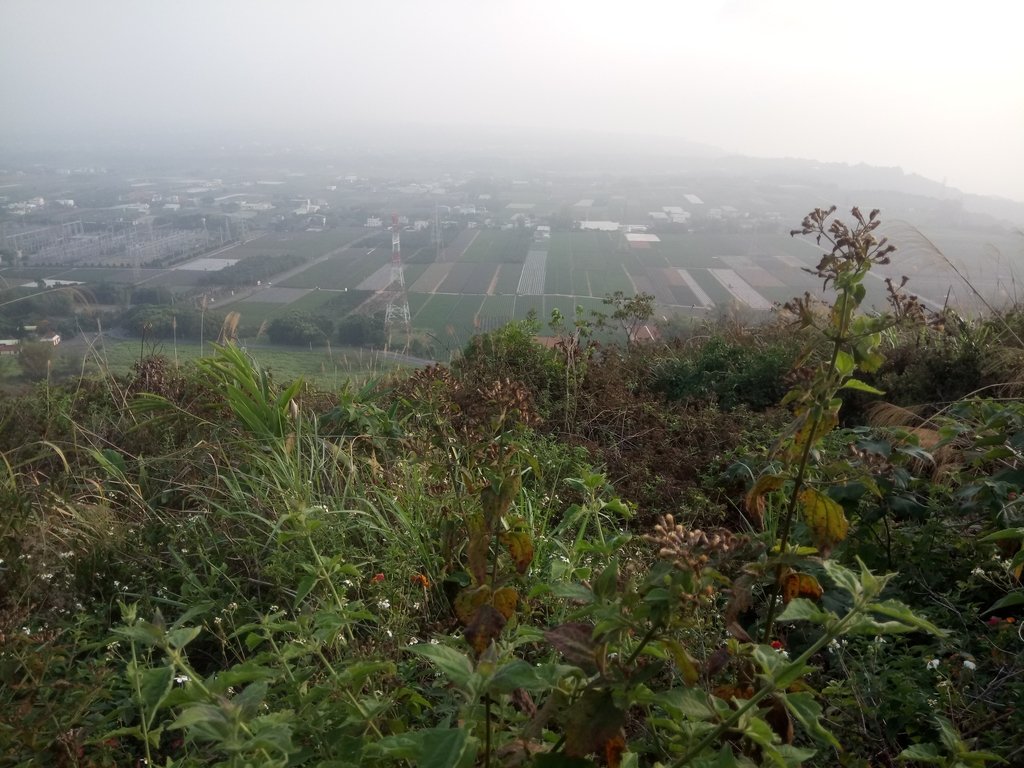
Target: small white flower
434,641
384,604
970,665
389,633
880,640
181,679
978,572
933,664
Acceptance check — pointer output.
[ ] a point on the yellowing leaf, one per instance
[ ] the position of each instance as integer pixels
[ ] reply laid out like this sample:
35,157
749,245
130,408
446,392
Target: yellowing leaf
754,501
797,584
520,547
505,601
825,519
469,599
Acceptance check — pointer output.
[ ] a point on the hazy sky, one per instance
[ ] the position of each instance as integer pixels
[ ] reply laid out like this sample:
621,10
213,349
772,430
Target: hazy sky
934,87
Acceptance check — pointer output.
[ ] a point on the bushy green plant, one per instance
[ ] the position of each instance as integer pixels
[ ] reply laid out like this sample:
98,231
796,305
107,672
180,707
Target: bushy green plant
727,373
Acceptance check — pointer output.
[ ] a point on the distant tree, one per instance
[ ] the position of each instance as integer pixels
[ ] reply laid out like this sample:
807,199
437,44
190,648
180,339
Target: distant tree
153,295
630,312
35,359
361,330
297,328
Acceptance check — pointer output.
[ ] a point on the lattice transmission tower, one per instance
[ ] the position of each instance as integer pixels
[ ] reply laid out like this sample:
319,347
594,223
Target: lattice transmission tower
397,314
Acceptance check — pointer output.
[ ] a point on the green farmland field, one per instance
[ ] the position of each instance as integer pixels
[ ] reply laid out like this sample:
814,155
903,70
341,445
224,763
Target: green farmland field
498,247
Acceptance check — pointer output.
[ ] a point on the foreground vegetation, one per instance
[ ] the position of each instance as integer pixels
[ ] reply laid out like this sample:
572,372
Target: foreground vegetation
728,550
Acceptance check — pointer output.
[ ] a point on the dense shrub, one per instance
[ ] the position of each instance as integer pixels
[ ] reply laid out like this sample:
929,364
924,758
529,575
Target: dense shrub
727,373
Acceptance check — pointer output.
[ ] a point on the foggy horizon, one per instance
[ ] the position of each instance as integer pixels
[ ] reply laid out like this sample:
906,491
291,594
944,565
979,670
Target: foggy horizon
926,88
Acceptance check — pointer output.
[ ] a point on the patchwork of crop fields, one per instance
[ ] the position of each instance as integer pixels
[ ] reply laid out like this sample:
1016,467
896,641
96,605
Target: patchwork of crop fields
485,278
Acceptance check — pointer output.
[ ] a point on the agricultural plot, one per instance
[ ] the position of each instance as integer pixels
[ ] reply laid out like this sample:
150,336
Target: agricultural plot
525,304
496,311
171,278
700,296
108,275
378,281
431,279
532,280
567,306
314,301
601,282
498,246
508,278
469,278
740,289
434,312
558,277
464,314
307,245
279,295
345,270
416,302
254,314
454,250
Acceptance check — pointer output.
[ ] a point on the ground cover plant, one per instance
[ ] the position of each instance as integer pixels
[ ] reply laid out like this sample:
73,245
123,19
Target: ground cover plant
477,565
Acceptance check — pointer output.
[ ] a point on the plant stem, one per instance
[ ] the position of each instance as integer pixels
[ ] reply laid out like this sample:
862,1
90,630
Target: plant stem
828,391
835,631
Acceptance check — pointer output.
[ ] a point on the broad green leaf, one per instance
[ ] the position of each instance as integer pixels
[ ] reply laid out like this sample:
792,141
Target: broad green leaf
844,363
515,674
1014,598
1006,533
802,609
154,685
179,638
432,748
454,665
807,712
860,386
685,703
843,577
606,582
572,591
894,609
923,753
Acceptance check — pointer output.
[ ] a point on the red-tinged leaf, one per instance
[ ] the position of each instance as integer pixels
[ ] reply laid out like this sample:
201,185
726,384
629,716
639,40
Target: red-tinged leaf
613,749
478,550
484,628
574,640
796,584
754,501
593,721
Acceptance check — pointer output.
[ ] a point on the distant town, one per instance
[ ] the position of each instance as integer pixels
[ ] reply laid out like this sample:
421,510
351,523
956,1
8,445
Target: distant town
302,254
